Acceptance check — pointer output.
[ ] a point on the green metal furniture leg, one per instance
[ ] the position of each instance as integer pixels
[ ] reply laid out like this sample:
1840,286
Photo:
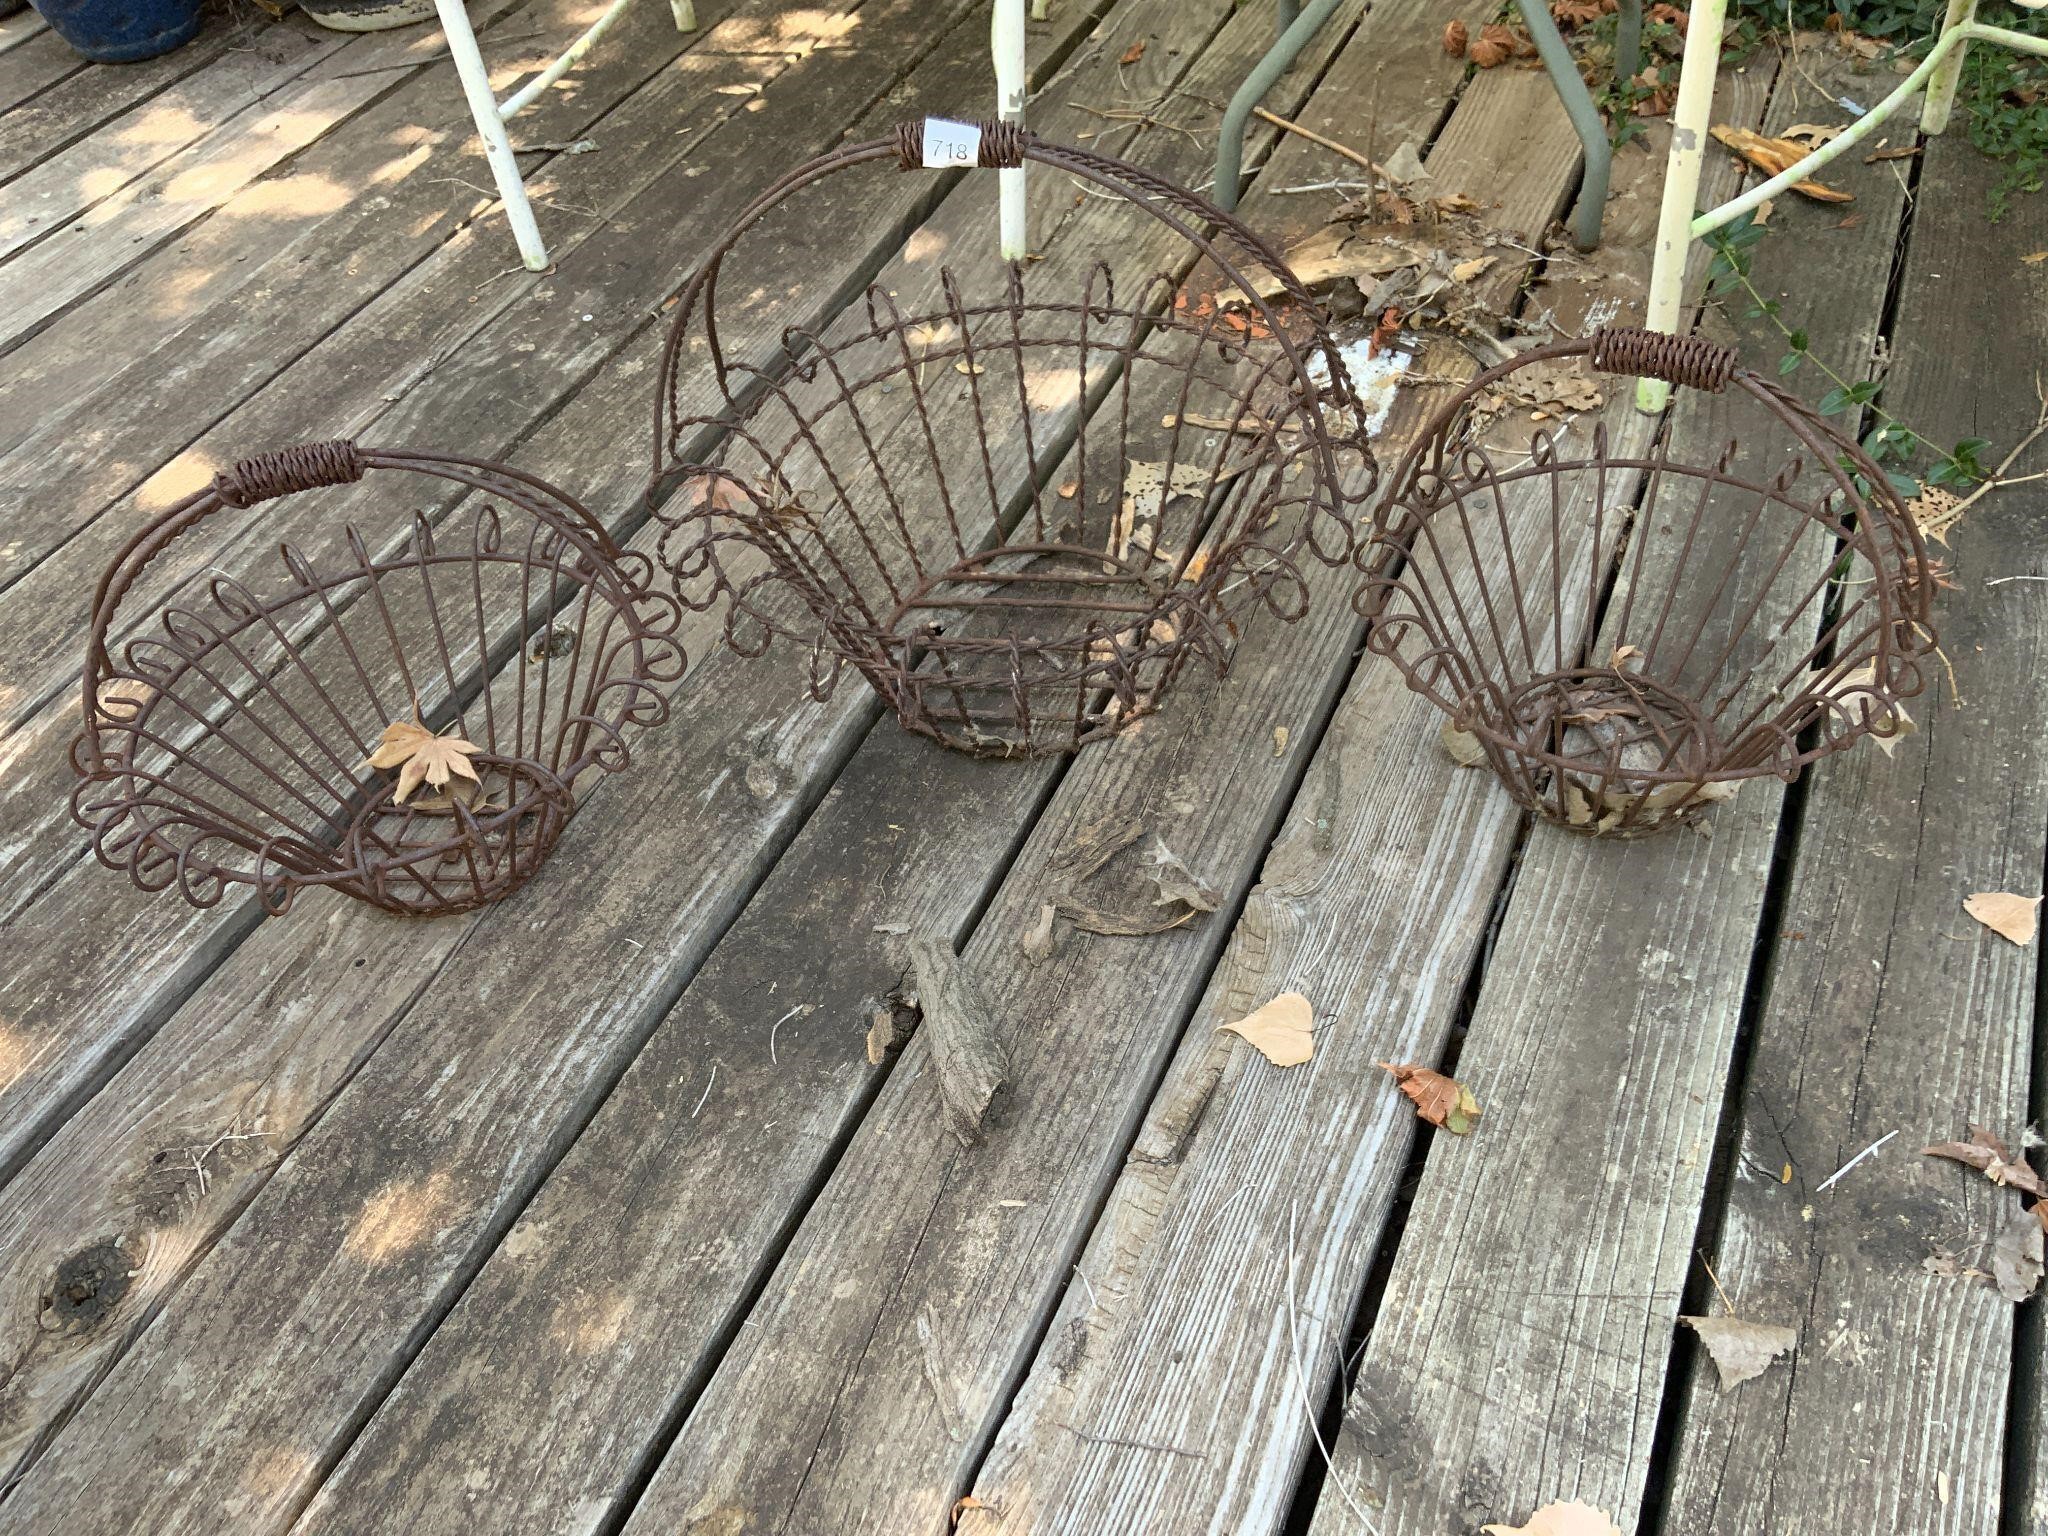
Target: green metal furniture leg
1297,25
1586,120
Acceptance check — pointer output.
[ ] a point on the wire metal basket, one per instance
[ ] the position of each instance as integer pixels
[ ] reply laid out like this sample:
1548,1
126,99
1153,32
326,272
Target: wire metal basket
1021,515
229,744
1627,638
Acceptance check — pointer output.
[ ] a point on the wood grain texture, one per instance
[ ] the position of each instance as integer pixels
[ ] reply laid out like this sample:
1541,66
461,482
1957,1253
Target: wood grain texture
1518,1353
1177,1386
129,377
82,101
1892,1013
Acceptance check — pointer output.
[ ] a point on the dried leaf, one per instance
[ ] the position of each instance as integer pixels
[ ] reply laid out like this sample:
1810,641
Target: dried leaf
718,492
1494,46
968,1501
2009,916
1567,1519
1990,1157
1279,1031
1463,746
1132,54
1279,741
1438,1099
1812,135
1465,271
1741,1350
2016,1257
2035,258
1177,882
1456,38
1934,511
1772,156
421,756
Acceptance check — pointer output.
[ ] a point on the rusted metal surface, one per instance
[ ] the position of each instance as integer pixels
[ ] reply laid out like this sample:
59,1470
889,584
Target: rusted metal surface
865,498
225,744
1727,657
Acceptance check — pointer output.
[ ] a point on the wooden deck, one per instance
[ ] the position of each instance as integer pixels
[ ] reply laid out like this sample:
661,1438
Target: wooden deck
589,1213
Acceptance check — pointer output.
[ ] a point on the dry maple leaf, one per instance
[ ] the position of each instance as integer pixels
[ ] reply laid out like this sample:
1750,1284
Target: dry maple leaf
1280,1030
1574,13
1566,1519
1773,156
1991,1157
1494,46
1438,1099
421,757
2009,916
1741,1350
1456,37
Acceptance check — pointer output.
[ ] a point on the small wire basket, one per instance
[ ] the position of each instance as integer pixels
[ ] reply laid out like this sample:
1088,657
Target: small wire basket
1018,516
1625,639
231,743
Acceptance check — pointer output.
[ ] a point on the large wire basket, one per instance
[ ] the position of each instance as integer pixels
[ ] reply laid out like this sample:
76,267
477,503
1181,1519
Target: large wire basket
1019,515
240,741
1625,639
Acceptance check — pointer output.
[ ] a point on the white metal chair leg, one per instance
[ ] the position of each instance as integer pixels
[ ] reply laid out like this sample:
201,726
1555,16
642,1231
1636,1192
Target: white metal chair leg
490,126
685,13
1689,116
1941,85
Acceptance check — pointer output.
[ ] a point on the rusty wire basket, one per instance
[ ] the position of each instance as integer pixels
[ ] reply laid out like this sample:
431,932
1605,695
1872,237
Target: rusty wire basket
1018,515
226,744
1627,637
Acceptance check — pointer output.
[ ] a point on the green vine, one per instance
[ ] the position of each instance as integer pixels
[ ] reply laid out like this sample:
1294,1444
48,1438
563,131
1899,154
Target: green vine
1888,441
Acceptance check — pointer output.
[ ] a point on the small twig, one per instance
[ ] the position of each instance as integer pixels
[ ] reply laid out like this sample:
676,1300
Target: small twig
1135,1445
1330,144
1308,1405
707,1091
1999,581
1954,514
1830,1179
1094,1302
1708,1265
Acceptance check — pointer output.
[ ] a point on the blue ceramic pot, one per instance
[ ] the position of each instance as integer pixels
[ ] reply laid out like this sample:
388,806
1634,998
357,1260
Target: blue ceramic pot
122,31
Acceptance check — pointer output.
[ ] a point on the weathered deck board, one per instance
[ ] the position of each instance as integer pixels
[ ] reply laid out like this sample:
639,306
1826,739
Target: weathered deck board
160,1094
127,378
32,58
794,759
1246,1183
1599,1046
85,101
65,185
154,950
1890,1011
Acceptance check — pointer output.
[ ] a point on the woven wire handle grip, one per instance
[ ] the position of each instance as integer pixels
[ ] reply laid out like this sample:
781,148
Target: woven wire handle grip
1689,360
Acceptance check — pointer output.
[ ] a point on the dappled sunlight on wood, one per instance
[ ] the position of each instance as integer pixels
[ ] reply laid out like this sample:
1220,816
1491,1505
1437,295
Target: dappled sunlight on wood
397,1218
268,1477
306,195
925,245
588,1325
14,1054
161,125
176,480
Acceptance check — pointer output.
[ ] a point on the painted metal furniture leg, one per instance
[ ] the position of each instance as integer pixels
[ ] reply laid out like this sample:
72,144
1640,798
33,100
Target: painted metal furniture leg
1586,120
1006,41
483,106
1697,69
1294,37
1941,85
1628,40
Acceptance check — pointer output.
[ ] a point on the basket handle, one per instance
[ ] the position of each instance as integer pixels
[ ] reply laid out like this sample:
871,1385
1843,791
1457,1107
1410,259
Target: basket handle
1693,361
283,472
1002,146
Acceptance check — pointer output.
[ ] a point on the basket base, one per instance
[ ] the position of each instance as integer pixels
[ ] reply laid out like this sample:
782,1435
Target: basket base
1038,649
1605,752
440,854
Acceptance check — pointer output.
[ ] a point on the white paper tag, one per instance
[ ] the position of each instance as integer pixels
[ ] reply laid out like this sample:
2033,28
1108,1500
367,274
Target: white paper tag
947,143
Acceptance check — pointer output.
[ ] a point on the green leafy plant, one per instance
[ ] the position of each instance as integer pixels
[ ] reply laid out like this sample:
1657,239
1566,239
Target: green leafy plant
1888,441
